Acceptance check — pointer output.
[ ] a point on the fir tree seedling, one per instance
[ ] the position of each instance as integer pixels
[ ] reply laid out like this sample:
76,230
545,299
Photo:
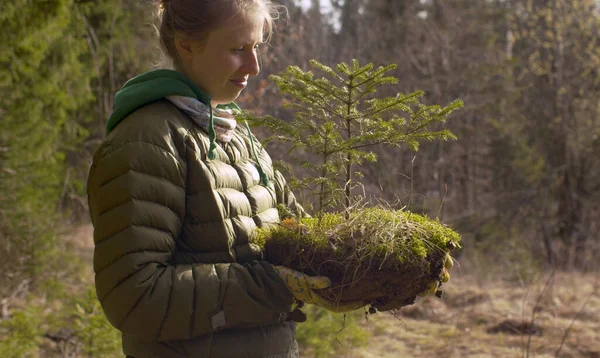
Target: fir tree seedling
339,119
380,256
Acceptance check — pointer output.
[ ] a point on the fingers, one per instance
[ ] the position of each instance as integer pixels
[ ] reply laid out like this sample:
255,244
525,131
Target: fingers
318,282
336,307
430,290
447,266
448,263
444,277
299,281
301,286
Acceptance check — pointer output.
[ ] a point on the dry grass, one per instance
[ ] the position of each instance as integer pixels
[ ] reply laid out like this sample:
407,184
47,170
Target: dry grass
460,324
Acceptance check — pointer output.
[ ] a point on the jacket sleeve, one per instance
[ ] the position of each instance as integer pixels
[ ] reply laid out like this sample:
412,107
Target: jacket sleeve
136,194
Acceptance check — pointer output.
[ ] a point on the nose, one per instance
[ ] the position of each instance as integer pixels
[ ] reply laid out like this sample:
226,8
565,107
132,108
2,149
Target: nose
251,65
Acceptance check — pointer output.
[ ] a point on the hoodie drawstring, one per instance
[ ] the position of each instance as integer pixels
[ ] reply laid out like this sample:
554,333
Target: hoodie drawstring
212,136
263,176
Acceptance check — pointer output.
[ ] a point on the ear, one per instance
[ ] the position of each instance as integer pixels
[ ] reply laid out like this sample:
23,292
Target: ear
185,47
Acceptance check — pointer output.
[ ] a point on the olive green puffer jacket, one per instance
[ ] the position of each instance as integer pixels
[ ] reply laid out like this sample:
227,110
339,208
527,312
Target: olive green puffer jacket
175,270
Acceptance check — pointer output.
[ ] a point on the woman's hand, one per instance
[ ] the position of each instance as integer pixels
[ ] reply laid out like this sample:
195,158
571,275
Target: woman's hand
432,287
302,287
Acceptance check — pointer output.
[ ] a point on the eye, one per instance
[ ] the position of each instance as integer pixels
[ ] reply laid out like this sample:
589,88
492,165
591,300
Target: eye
256,47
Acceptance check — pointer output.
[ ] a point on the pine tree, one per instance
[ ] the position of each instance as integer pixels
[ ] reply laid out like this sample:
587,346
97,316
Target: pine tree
338,118
57,67
41,83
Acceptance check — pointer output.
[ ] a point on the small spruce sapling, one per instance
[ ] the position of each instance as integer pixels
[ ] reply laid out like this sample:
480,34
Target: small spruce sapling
338,118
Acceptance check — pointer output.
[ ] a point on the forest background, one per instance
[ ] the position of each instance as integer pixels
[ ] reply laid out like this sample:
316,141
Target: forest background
521,183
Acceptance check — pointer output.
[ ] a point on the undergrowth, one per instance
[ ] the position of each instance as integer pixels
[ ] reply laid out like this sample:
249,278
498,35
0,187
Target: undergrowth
21,335
326,334
74,326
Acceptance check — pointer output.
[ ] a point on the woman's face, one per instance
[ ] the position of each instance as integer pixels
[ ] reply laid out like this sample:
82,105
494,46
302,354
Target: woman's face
221,64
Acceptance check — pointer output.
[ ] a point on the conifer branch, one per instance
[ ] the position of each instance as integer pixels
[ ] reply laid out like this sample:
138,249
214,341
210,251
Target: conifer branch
325,111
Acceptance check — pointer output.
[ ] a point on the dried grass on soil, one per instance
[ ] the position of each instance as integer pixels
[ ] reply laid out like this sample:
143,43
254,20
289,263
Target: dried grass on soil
449,327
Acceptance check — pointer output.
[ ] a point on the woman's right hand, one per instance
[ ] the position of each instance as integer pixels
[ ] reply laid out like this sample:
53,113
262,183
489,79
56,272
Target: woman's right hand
303,288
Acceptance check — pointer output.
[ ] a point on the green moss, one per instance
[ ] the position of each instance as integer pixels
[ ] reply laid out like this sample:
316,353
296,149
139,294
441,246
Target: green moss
389,234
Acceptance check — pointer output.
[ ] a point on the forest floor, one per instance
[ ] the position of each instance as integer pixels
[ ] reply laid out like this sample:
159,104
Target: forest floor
493,319
480,317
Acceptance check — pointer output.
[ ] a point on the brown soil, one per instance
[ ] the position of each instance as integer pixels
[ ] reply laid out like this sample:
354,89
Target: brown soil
381,282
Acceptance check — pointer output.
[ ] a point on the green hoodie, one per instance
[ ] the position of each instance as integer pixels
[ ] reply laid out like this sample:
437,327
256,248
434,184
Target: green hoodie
154,85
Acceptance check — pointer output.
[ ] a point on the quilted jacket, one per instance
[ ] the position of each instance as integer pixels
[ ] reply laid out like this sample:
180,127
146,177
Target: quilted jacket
175,269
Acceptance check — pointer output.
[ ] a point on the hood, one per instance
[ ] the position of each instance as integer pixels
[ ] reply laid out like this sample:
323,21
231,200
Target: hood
152,86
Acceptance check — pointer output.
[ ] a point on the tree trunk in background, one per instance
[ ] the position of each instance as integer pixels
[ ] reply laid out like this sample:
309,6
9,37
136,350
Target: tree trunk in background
523,175
557,42
350,41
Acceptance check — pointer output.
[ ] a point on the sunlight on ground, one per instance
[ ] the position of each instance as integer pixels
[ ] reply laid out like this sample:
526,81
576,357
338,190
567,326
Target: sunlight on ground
475,321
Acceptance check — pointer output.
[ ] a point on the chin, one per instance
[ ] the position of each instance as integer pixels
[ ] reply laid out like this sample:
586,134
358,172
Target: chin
226,99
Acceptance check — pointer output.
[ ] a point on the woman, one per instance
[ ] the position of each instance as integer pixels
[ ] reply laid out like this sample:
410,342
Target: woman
176,190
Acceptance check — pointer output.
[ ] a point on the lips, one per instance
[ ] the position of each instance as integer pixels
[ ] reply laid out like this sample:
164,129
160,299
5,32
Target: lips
240,83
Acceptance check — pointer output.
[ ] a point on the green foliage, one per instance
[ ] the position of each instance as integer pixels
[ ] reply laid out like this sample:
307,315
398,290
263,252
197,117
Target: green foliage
56,84
21,334
41,51
97,337
326,334
60,63
338,118
554,127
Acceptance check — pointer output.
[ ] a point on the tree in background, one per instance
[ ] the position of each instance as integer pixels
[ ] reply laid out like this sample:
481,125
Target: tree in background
523,178
59,60
556,49
501,180
43,84
120,40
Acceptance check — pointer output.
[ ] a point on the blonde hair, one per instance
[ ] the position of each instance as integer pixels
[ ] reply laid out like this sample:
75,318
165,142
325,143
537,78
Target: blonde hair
195,19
